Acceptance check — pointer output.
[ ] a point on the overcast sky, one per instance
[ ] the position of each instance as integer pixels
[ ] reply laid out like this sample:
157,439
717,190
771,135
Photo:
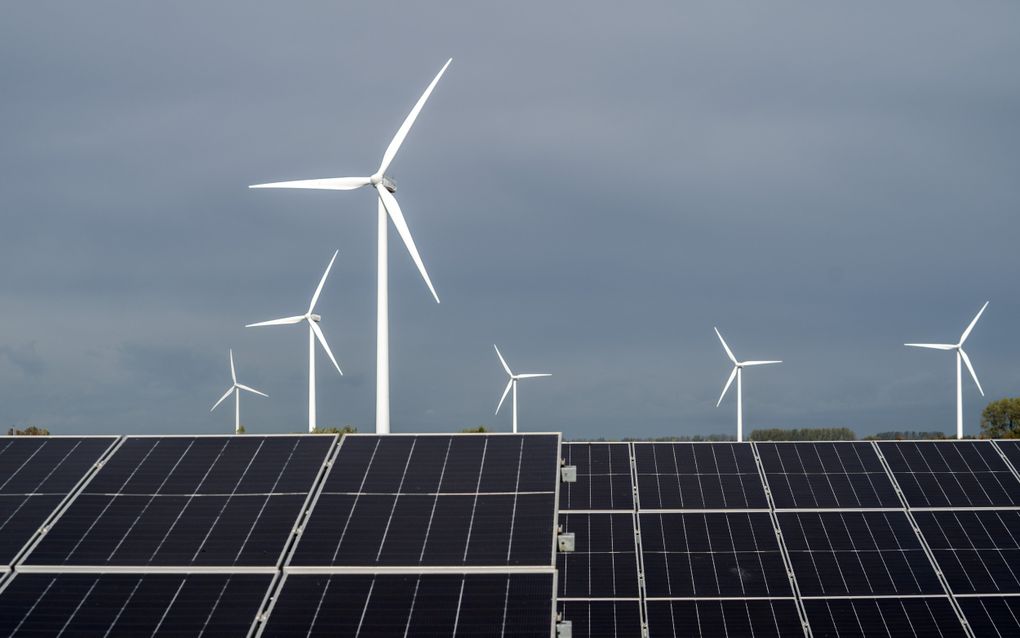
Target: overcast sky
593,186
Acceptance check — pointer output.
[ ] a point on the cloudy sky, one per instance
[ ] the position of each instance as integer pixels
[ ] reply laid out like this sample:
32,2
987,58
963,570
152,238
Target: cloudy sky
593,186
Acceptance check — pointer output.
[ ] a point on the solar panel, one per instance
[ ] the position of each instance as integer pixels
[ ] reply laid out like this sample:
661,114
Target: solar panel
462,500
698,476
188,501
892,617
413,605
713,618
602,618
951,473
604,561
712,555
1011,449
36,475
603,477
857,553
978,550
826,475
131,604
992,615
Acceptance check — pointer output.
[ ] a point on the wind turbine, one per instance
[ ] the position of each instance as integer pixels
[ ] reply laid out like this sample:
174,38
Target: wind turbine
387,205
960,356
738,367
512,383
314,332
236,389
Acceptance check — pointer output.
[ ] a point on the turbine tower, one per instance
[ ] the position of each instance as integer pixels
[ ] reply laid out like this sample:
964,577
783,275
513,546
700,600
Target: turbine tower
512,383
387,206
738,367
314,332
961,356
236,389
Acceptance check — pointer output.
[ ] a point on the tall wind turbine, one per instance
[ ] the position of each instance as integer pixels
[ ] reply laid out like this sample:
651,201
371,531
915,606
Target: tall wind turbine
960,356
314,332
387,205
236,389
512,383
738,367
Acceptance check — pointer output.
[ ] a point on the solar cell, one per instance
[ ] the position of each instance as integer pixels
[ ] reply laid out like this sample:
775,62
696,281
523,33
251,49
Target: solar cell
436,500
518,604
36,475
891,617
951,473
604,561
712,555
713,618
602,618
857,553
978,551
992,615
603,477
826,475
698,476
188,501
131,604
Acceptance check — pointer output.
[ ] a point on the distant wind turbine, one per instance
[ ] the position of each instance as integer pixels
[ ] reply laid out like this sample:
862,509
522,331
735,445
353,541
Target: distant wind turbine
960,356
314,332
385,187
236,389
512,383
738,367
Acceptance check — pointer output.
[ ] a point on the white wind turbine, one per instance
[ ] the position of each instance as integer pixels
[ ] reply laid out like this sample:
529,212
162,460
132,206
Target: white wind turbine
314,332
738,367
387,205
960,356
512,383
236,389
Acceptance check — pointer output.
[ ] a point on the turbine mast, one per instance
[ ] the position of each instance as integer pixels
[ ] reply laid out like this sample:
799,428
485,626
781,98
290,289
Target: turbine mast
382,329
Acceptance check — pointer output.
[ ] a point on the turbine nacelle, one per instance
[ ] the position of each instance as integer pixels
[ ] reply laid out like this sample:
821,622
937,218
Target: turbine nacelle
314,317
385,181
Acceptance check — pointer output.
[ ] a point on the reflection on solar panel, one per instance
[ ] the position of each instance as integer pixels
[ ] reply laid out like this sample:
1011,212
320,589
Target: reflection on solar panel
131,604
951,473
36,475
826,475
698,476
857,553
436,500
413,605
712,618
603,618
710,555
188,501
604,561
992,615
883,617
979,551
603,477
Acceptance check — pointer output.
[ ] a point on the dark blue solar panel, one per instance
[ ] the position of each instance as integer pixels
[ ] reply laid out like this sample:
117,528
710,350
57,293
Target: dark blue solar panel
826,475
602,618
951,473
603,477
604,561
714,618
979,551
992,615
698,476
890,617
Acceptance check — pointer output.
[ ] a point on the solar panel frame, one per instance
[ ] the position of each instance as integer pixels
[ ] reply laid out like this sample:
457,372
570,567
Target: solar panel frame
975,552
25,566
1002,619
574,454
588,549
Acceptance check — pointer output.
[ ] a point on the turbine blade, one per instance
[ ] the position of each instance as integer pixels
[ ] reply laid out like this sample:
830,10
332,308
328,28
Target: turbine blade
233,373
247,389
970,367
398,139
502,360
532,376
729,382
966,333
328,184
390,202
505,392
222,398
325,346
322,282
277,322
933,346
758,363
729,353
